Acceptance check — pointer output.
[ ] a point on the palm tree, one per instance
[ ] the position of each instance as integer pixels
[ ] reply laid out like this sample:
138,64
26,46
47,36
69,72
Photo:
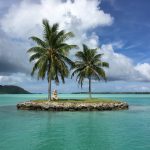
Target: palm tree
89,65
50,54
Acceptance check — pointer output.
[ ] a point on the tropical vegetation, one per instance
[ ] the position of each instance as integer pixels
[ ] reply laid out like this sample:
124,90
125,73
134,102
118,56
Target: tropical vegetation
50,54
51,61
89,65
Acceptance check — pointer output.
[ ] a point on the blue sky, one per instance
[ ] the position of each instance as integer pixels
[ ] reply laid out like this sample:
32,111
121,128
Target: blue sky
131,27
119,27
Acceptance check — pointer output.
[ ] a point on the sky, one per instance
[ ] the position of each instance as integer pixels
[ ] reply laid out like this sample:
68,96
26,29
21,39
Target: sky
120,28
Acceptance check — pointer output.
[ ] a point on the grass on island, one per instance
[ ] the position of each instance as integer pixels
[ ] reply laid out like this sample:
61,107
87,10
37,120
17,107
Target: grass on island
93,100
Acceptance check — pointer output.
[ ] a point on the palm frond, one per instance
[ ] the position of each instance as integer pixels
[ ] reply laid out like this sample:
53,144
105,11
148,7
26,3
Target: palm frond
50,55
105,64
89,65
55,27
39,42
36,49
34,57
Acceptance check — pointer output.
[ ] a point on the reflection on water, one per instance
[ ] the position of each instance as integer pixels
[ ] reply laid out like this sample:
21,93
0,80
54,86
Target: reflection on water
108,130
139,108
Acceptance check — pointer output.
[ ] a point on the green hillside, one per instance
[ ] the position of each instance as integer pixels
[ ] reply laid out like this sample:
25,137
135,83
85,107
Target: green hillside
11,89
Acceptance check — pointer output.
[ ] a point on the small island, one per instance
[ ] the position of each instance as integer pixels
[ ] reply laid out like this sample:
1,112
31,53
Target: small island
73,105
51,61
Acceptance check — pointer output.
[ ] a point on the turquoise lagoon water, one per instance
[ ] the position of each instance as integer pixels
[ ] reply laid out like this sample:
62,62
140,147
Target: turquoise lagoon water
109,130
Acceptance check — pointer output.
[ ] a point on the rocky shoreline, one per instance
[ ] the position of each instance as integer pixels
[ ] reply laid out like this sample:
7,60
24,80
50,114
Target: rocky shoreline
72,106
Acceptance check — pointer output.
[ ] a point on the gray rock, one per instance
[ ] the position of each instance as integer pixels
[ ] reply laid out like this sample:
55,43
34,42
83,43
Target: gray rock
70,106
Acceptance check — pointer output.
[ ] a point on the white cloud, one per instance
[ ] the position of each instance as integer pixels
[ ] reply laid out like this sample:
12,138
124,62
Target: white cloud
14,78
144,70
117,44
121,67
25,18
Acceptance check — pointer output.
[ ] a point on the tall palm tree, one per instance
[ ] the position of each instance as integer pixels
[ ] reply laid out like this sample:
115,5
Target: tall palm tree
89,65
50,54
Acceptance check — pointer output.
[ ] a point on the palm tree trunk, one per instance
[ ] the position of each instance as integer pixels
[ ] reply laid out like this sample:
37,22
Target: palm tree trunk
49,89
90,96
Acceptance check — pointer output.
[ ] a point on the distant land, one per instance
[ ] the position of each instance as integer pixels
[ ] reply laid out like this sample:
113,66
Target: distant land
12,89
112,93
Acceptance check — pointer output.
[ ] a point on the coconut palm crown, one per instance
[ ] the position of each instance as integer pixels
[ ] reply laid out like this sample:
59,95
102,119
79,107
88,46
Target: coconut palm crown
50,54
89,65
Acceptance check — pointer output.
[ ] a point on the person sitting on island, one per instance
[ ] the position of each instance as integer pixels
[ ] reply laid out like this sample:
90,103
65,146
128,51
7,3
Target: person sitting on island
54,95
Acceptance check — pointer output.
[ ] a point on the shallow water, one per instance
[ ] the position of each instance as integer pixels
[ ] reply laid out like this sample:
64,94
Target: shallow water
109,130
